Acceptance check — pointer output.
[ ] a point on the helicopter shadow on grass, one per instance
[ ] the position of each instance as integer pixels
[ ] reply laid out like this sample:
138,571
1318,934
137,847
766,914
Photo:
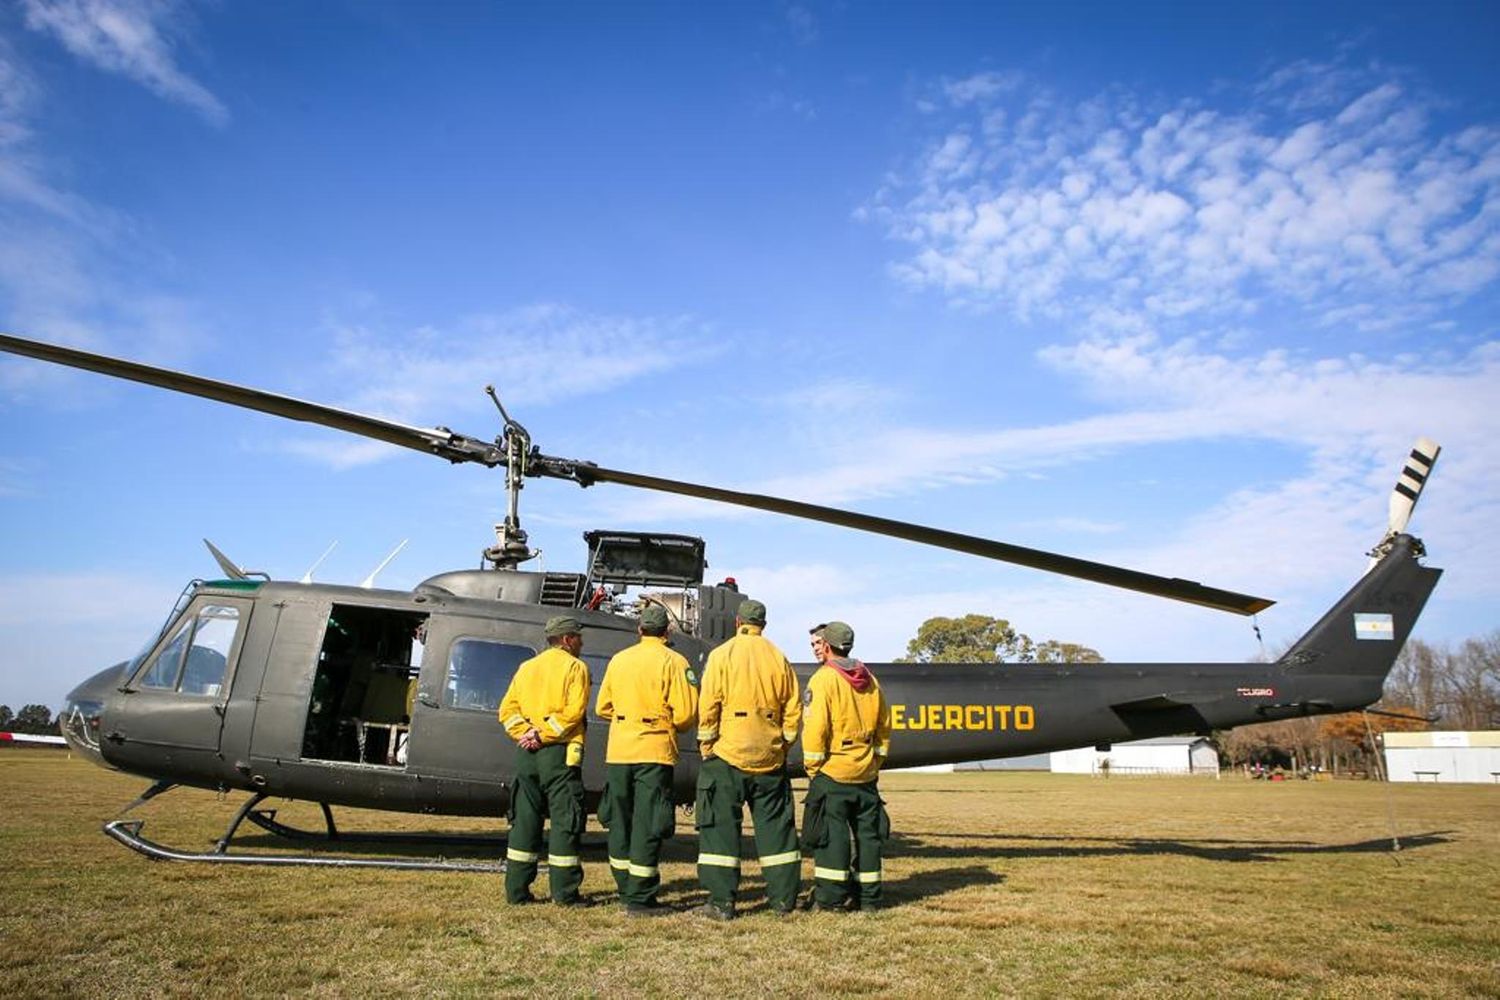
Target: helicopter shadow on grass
1021,847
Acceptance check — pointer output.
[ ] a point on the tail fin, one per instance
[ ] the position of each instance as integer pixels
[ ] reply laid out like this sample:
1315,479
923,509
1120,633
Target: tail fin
1364,631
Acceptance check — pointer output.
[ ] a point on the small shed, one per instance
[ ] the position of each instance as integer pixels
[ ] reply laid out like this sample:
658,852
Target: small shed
1164,755
1445,757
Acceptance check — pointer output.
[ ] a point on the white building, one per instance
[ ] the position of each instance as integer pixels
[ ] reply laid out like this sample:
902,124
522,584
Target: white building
1165,755
1443,757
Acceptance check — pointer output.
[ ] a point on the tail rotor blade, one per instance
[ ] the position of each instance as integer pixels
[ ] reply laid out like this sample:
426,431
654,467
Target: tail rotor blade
1408,489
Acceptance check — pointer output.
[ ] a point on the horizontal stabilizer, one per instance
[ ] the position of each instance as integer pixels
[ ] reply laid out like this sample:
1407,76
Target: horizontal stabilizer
1164,702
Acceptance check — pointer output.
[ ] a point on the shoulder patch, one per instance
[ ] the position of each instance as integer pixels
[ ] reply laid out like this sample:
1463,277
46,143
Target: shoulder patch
692,676
807,695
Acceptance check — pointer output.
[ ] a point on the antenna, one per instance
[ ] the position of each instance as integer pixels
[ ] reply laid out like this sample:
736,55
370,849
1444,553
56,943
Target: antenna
369,581
308,576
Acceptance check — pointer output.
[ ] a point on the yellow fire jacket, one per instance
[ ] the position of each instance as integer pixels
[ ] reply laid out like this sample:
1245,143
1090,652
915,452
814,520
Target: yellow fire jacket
846,734
750,705
647,700
549,693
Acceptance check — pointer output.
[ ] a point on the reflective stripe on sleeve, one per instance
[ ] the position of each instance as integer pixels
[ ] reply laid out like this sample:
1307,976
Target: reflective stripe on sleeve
563,861
831,874
644,871
868,878
785,858
790,735
619,864
513,720
553,725
810,755
719,860
708,735
882,750
511,854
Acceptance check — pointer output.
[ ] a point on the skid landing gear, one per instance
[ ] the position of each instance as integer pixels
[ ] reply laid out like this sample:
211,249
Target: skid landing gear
128,832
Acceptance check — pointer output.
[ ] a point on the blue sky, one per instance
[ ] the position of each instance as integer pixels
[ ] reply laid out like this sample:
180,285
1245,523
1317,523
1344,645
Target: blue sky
1172,286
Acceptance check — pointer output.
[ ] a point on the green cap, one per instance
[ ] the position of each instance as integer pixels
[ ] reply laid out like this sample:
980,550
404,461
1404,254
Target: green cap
751,613
562,625
838,635
654,616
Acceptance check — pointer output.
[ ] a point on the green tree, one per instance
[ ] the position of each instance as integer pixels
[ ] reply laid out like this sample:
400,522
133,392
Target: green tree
1053,651
6,715
35,719
976,638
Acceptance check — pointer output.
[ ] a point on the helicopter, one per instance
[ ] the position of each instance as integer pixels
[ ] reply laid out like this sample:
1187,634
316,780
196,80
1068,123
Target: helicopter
383,699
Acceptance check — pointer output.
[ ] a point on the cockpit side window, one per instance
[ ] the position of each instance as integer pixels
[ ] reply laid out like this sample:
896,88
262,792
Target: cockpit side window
213,636
195,659
162,671
479,671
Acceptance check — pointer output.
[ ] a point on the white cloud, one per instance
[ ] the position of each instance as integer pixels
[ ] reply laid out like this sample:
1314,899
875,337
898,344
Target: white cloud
1028,204
802,23
980,86
534,356
1352,418
133,38
1295,533
69,268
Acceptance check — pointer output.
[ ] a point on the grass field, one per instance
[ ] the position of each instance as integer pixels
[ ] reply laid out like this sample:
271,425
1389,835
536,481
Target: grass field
1009,884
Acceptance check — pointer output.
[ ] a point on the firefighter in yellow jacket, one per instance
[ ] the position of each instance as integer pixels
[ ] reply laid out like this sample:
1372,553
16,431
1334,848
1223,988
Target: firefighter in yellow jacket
846,736
748,712
647,697
543,711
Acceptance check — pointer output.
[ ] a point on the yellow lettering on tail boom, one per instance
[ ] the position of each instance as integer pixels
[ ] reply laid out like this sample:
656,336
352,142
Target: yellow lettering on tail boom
971,718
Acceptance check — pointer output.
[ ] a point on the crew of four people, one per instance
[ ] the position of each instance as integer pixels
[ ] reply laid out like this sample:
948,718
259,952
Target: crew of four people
748,710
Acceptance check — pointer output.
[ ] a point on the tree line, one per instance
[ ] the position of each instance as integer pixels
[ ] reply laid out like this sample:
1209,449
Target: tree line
33,719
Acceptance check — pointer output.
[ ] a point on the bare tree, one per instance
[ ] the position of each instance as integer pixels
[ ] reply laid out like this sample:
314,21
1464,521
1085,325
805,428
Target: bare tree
1473,683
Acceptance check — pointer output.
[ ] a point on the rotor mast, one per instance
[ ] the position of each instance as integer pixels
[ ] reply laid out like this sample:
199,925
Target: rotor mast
511,548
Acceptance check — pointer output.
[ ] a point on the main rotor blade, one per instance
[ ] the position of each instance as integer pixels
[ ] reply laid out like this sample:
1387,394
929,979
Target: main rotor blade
1083,569
461,448
436,441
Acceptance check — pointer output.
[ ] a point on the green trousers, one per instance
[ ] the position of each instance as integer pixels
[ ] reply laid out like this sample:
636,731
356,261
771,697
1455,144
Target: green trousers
545,786
723,792
637,810
835,816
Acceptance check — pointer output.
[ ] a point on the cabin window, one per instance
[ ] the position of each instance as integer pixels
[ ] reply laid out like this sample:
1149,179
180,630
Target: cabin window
195,659
479,671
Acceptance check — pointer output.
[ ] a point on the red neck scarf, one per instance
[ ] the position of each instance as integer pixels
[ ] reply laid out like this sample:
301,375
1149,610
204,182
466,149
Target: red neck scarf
853,671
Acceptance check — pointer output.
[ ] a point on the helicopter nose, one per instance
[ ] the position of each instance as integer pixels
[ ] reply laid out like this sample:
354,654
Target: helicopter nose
82,716
80,727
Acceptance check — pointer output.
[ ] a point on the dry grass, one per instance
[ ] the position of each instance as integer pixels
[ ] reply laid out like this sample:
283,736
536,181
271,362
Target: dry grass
1002,884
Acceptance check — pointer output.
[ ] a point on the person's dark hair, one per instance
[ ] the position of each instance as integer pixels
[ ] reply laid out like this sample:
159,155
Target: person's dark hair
656,632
